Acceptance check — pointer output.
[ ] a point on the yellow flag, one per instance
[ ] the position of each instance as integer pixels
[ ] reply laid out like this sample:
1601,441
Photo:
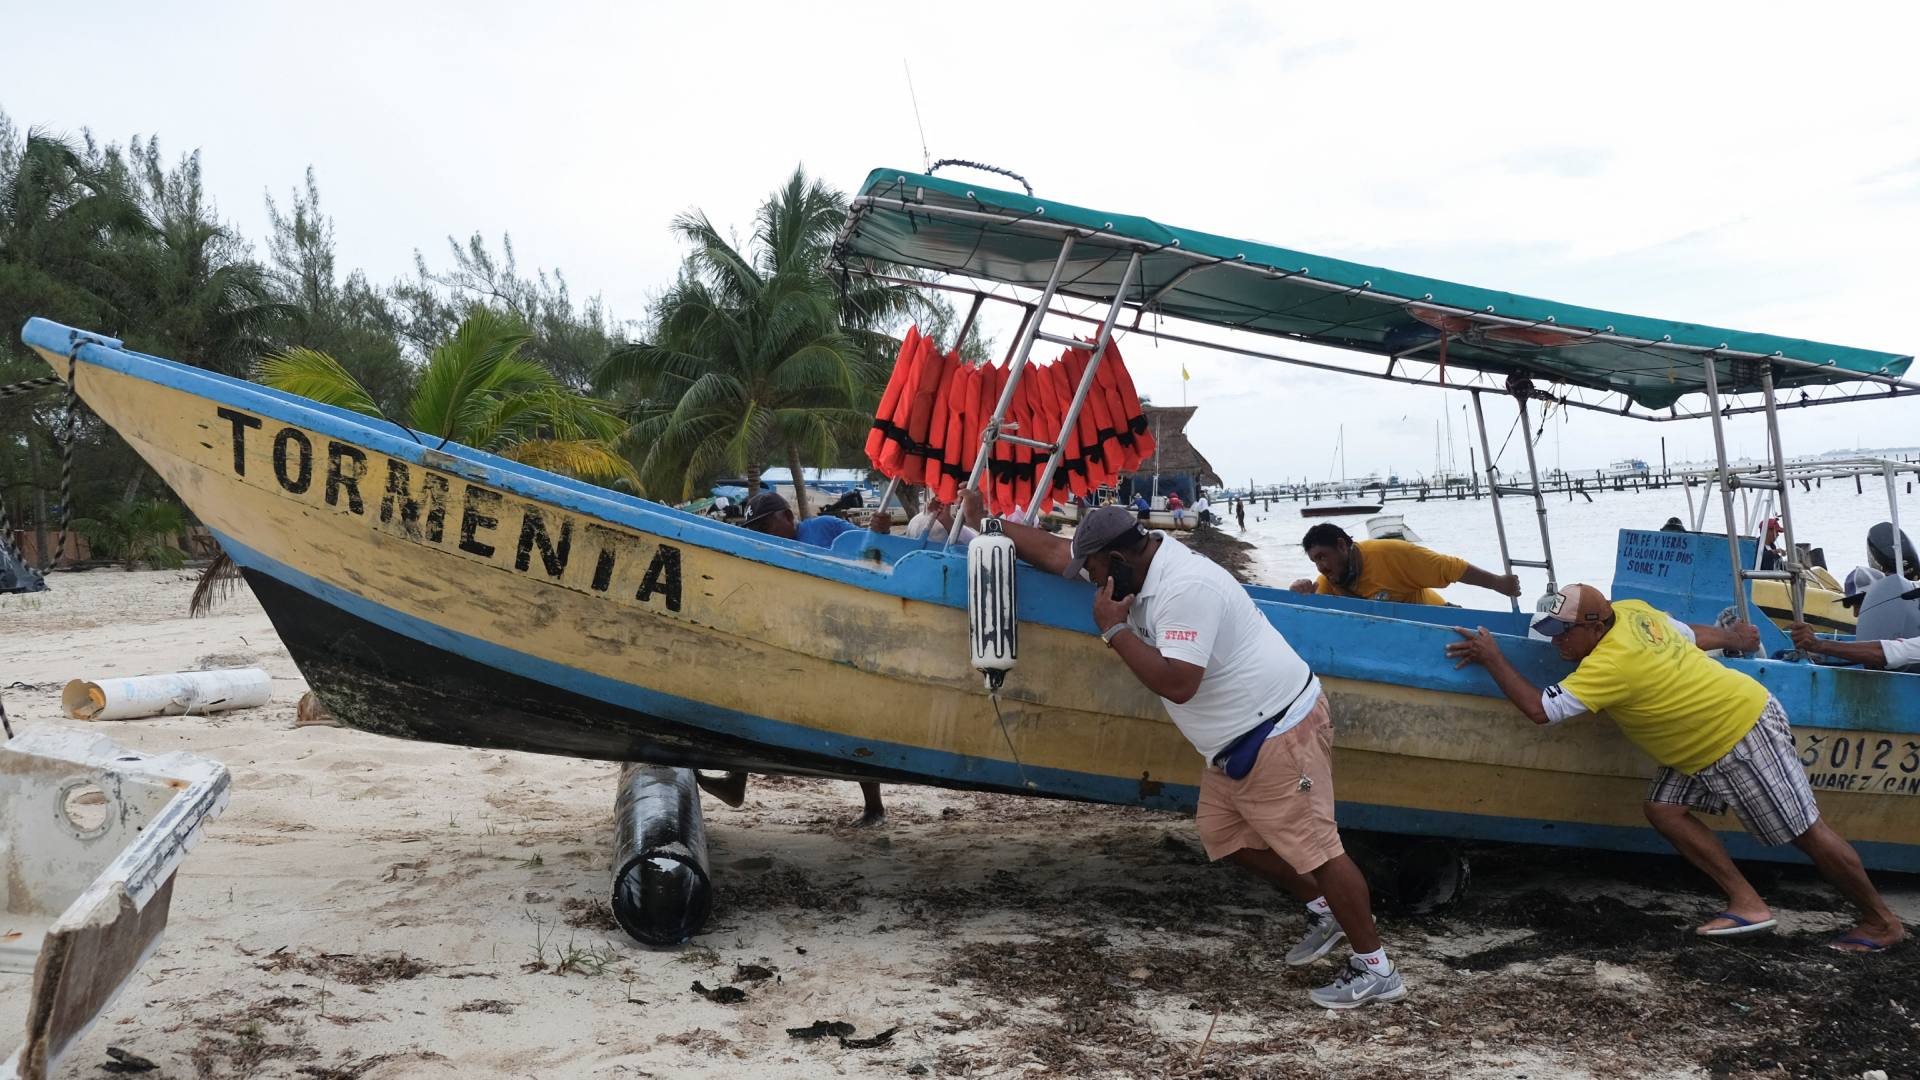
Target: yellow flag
1183,372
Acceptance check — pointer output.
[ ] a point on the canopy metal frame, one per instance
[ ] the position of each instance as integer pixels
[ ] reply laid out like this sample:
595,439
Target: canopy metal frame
1406,367
1036,225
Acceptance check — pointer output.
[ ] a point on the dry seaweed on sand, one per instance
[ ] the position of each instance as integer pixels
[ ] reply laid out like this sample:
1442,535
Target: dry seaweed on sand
349,968
1232,553
820,1029
354,1069
1766,1001
786,887
720,995
126,1061
589,914
869,1043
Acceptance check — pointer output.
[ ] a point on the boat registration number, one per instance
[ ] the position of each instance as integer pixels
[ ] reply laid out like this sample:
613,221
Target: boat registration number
1868,762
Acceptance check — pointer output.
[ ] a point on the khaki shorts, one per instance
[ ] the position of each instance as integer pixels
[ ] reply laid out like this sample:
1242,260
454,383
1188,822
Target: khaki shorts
1285,804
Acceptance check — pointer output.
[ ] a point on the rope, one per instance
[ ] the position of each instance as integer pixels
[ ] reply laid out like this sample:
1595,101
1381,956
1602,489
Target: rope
7,545
994,696
964,163
29,386
68,437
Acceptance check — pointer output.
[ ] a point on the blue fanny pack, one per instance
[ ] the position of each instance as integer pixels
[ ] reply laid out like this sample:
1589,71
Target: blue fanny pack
1238,758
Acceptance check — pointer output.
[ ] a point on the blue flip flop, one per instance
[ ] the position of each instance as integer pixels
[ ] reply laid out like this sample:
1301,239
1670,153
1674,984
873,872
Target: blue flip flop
1866,946
1740,926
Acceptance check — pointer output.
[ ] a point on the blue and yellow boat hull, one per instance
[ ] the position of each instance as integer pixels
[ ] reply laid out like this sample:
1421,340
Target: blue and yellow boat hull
436,592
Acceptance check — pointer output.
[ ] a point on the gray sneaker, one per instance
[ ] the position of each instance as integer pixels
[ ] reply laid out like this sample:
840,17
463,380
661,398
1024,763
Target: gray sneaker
1323,933
1357,986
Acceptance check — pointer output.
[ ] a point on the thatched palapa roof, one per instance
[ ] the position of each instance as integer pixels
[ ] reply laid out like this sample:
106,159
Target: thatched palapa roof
1173,455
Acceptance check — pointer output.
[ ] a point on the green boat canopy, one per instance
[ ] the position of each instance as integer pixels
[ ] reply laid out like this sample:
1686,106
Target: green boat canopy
939,224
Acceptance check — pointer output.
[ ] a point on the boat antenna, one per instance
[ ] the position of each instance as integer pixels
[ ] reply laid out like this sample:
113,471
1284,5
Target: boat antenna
926,159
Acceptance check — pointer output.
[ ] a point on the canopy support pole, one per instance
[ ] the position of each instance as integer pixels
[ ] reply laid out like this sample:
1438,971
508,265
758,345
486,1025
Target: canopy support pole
1893,516
1539,502
1493,490
1045,484
1017,366
1726,496
960,339
1797,584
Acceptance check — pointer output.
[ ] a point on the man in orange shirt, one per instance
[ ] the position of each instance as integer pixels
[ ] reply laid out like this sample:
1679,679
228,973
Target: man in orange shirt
1389,569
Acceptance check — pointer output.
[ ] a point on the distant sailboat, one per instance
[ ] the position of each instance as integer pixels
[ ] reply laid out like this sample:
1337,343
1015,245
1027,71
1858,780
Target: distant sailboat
1344,501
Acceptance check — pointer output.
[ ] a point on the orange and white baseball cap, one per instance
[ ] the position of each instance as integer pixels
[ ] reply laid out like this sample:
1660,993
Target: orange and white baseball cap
1575,605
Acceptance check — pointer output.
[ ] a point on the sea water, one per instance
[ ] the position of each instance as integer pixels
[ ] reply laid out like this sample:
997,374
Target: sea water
1584,534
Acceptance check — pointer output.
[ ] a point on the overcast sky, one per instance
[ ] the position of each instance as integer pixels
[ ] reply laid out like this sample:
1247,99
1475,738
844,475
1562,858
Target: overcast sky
1706,162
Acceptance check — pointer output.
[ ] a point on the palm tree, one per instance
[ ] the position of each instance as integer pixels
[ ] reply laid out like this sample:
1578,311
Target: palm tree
60,207
66,218
204,299
756,353
477,389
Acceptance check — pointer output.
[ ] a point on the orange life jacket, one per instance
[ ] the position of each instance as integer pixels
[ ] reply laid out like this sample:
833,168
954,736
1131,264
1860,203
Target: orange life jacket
879,434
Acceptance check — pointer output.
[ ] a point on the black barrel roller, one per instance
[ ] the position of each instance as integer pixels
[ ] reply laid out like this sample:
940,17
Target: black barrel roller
662,894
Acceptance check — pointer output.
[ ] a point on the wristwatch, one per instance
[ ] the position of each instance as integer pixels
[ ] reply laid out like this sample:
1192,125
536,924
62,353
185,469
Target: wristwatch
1111,632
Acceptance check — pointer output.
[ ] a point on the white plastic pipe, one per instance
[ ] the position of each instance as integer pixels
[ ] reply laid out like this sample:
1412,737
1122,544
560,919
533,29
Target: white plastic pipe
167,695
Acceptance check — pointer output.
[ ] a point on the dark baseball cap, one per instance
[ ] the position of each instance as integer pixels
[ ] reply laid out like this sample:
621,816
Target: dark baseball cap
1098,531
765,505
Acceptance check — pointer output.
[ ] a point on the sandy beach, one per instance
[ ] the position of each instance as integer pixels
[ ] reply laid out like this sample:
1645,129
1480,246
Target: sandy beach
371,908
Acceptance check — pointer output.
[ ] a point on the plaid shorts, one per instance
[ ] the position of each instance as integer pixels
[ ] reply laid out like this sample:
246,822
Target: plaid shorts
1761,778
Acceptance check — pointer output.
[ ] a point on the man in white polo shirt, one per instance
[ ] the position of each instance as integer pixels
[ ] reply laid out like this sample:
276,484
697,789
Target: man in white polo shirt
1234,687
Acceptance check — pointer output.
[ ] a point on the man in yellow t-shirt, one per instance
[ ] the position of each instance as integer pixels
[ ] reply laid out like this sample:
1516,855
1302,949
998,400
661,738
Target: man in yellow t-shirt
1720,738
1389,569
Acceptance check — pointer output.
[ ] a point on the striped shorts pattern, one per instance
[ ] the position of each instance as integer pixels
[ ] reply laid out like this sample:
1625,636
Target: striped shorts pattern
1761,778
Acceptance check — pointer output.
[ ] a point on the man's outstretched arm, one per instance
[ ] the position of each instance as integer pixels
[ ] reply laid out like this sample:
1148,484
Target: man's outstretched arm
1504,584
1480,648
1036,547
1743,637
1870,653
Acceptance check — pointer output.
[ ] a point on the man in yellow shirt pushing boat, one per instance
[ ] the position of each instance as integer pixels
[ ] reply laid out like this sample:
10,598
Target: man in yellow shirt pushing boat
1389,569
1722,740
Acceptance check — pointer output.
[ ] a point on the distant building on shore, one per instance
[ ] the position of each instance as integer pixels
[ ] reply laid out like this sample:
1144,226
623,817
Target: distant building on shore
1176,465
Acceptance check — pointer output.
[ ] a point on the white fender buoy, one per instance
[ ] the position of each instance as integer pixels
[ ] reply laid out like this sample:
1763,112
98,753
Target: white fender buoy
991,616
167,695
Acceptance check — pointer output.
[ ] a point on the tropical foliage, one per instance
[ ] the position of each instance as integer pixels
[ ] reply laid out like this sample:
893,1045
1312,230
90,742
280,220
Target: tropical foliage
123,239
137,534
755,353
476,388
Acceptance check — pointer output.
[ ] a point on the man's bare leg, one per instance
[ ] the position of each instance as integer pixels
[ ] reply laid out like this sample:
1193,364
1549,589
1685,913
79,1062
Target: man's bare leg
730,789
1840,864
1264,863
1345,888
876,812
1697,844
